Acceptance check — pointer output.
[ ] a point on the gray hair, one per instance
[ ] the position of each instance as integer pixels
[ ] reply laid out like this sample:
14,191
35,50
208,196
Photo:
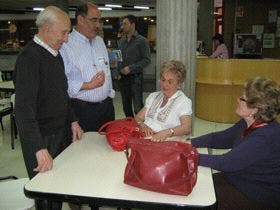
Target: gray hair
49,14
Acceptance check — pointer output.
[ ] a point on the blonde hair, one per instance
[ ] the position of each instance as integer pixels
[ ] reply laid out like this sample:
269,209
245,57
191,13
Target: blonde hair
176,67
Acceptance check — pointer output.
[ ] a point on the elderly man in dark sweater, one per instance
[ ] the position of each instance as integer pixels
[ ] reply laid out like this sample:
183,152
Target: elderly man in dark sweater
42,107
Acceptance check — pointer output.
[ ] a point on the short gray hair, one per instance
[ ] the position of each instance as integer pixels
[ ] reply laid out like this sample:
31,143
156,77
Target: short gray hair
49,14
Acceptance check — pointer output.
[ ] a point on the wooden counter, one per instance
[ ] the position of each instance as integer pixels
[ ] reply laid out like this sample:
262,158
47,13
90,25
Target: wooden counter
219,82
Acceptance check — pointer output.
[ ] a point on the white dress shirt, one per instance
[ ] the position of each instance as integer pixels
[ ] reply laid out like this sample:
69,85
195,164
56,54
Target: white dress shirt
83,59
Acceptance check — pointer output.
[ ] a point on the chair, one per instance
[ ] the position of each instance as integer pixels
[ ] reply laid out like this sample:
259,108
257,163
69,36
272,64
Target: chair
11,194
13,123
5,109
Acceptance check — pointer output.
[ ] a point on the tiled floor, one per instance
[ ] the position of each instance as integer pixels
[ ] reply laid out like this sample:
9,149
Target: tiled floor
11,161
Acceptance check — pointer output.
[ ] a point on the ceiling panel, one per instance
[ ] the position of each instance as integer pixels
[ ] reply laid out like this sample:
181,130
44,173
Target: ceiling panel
22,5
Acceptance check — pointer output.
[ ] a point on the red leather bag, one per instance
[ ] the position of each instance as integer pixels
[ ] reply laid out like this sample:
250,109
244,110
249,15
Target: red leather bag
118,132
167,167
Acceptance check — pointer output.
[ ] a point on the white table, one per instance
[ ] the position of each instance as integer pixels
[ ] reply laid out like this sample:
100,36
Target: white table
90,172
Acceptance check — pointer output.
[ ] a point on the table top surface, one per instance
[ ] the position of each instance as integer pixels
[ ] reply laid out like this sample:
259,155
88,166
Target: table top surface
90,168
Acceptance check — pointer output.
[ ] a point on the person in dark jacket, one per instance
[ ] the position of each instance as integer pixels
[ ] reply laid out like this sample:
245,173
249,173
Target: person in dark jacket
250,171
136,56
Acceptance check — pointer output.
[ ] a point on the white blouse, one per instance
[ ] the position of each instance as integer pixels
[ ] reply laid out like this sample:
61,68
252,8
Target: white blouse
161,118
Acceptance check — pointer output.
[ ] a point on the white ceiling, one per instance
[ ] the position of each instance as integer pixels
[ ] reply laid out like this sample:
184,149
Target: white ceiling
25,5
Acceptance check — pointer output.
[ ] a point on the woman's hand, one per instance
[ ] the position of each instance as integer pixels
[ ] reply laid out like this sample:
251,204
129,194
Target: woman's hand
161,135
146,130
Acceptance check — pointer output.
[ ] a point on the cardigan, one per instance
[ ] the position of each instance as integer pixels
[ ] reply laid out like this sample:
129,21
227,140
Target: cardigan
253,163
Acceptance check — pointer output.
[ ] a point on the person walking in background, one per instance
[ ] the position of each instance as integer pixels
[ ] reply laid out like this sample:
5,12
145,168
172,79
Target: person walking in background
136,56
221,50
88,72
167,113
250,171
42,104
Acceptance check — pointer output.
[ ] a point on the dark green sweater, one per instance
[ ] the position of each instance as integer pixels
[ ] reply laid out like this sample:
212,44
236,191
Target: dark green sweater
42,103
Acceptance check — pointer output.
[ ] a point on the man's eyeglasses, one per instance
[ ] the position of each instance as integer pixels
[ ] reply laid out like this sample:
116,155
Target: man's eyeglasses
242,99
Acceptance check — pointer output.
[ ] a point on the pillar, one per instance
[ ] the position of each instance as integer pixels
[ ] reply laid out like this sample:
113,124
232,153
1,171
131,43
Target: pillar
206,24
176,38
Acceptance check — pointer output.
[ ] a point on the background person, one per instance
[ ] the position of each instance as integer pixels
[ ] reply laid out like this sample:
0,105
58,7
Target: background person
42,105
221,50
88,72
167,113
250,171
136,56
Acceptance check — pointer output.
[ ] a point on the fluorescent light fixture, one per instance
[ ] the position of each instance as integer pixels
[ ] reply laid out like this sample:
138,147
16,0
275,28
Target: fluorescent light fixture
141,7
104,8
38,8
113,5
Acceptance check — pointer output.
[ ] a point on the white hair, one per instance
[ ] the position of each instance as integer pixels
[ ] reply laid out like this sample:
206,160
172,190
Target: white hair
49,14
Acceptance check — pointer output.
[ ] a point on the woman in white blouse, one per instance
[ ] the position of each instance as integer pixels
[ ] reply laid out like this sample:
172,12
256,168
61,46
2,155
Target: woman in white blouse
167,113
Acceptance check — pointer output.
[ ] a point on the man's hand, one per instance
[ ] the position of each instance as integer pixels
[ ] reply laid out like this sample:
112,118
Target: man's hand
77,131
125,70
44,160
96,81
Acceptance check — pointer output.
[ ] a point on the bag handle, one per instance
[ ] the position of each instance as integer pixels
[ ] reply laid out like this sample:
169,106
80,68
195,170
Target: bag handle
113,121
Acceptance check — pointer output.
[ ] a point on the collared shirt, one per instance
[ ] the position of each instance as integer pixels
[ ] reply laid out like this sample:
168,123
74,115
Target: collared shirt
83,59
37,40
135,53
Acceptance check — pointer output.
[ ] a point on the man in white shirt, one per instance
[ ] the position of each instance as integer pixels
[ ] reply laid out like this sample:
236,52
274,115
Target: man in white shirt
88,72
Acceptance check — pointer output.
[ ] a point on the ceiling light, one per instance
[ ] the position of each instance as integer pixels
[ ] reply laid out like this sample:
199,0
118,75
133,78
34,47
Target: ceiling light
38,8
113,5
141,7
104,8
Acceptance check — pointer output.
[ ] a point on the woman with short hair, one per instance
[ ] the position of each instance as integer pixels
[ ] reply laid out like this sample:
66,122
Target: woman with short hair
167,113
250,171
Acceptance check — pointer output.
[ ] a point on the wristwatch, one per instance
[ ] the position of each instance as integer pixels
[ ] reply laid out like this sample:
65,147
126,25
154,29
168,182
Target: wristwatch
171,131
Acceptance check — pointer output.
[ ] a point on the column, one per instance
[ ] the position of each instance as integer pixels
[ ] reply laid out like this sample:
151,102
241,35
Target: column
206,24
176,37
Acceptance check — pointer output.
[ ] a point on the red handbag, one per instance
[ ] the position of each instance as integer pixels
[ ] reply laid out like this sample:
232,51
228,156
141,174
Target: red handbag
167,167
118,132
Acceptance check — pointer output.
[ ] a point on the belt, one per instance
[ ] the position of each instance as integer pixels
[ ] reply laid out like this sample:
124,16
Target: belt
78,101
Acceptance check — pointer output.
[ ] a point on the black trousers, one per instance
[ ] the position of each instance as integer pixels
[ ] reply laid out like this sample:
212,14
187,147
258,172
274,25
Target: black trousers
56,143
131,88
230,198
93,115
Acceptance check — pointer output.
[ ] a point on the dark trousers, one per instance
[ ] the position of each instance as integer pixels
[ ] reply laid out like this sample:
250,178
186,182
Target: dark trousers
131,88
230,198
56,143
93,115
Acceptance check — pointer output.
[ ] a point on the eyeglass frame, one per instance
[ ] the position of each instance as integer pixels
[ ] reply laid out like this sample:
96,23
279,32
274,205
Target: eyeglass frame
242,99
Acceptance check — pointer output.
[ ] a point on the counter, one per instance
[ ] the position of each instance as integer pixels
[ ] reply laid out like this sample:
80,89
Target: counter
219,82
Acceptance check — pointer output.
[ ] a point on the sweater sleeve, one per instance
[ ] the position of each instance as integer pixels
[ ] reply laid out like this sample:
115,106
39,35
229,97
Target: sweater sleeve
27,81
252,149
222,139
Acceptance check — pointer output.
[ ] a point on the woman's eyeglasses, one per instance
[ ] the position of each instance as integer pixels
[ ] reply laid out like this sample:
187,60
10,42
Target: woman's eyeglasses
242,99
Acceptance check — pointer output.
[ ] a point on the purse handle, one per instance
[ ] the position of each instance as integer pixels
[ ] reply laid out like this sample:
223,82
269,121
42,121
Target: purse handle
111,122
